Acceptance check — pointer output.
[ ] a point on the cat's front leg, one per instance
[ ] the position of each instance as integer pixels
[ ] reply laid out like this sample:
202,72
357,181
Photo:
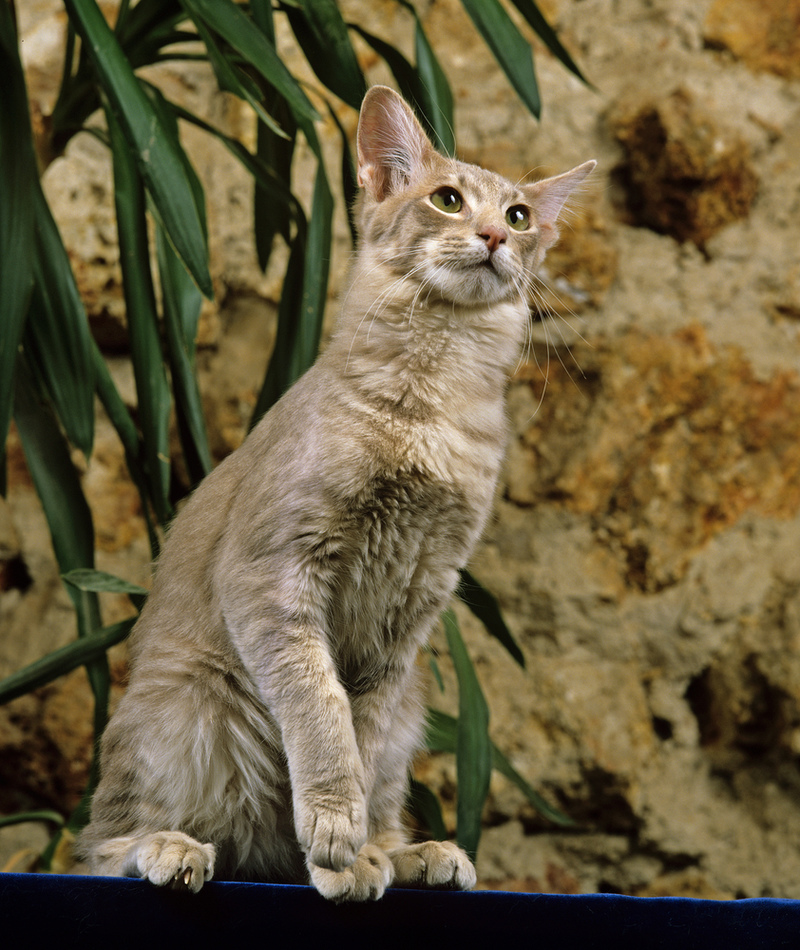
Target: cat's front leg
366,878
297,678
330,824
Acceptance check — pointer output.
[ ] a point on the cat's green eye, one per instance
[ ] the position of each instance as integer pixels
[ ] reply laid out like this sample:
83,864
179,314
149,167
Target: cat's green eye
447,199
518,218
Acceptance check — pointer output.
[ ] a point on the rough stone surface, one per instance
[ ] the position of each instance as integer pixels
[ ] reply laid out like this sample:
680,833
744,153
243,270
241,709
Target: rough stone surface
685,176
646,543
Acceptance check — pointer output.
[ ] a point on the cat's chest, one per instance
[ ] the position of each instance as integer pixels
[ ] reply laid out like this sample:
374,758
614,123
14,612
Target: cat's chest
397,546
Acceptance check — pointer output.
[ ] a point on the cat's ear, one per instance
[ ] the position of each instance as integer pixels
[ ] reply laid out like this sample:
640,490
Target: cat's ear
393,149
547,199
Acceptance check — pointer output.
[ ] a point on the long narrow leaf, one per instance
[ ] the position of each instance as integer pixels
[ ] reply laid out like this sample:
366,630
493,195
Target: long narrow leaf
17,185
238,30
425,807
509,48
57,334
484,605
266,177
303,298
323,36
436,97
233,79
154,149
68,516
54,476
405,74
441,736
181,303
530,10
124,425
86,650
279,377
21,817
151,382
102,582
315,276
473,746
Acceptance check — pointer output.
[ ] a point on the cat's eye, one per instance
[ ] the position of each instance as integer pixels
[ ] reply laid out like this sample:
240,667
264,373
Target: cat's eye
518,218
448,200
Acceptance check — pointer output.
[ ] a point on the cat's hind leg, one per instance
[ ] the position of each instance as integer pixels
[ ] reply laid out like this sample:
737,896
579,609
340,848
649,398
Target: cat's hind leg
163,858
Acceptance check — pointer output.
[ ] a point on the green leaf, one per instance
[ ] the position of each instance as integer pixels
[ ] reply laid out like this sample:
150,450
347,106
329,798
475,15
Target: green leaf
315,277
18,184
484,605
425,807
54,476
268,178
87,650
21,817
57,335
181,303
279,375
509,48
349,178
124,425
68,516
425,85
272,213
441,736
435,97
534,16
233,79
160,162
473,746
504,767
103,583
238,30
152,389
323,36
302,304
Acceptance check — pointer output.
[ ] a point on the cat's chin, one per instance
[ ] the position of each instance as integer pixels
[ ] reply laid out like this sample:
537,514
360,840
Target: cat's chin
480,284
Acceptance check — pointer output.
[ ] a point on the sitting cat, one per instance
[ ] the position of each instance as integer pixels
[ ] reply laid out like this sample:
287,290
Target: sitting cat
275,704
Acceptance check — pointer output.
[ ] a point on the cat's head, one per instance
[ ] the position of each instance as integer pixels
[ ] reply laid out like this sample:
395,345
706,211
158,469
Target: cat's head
464,234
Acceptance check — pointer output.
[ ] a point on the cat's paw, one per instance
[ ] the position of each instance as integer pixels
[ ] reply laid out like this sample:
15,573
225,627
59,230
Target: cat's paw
332,836
171,857
365,880
433,864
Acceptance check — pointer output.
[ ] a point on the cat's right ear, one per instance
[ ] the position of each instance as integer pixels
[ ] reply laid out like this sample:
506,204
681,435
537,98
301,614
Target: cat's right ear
393,149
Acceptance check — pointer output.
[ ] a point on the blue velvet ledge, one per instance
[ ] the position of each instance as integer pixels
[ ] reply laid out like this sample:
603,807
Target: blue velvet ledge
71,910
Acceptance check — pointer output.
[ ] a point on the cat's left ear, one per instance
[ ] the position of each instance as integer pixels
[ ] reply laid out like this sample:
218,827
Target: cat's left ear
547,199
393,149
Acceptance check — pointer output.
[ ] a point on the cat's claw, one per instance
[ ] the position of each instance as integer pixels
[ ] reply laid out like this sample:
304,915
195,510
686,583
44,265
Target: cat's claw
171,857
366,878
433,864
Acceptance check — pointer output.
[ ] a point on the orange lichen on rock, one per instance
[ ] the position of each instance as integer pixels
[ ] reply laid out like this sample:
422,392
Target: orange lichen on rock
764,34
663,442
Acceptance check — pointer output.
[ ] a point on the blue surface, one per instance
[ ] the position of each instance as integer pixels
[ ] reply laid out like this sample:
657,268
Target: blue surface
71,910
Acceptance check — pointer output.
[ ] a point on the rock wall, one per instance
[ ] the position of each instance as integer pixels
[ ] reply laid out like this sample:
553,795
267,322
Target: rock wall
646,545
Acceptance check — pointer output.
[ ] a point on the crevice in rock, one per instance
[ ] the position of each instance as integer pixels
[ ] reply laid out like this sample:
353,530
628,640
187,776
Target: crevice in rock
14,574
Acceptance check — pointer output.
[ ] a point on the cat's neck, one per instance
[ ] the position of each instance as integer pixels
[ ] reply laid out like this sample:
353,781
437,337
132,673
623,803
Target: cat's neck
418,354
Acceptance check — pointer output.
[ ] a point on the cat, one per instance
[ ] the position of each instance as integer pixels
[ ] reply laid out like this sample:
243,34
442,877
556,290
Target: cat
275,701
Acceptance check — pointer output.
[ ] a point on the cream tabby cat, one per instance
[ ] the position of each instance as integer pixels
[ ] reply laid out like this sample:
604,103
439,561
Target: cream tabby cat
274,703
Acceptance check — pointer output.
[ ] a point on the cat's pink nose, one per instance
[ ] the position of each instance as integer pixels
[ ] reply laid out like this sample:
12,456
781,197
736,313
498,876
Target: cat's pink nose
493,236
